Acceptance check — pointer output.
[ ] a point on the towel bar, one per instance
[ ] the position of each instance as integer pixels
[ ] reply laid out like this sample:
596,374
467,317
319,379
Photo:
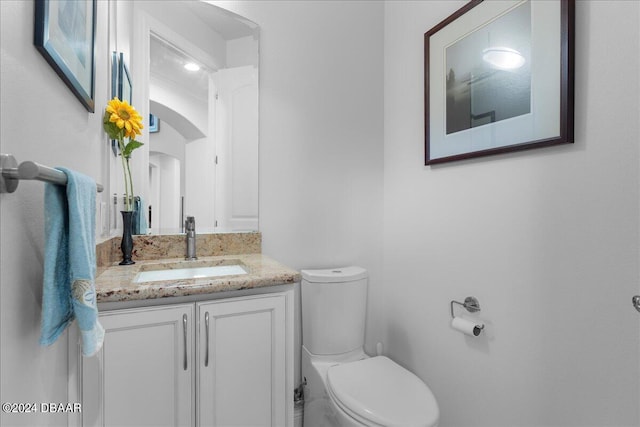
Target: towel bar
11,174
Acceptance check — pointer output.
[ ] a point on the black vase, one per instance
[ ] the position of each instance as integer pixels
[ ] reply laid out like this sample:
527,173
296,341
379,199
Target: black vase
127,241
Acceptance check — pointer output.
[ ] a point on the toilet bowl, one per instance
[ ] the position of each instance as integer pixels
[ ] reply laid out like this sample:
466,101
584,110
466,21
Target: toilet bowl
344,386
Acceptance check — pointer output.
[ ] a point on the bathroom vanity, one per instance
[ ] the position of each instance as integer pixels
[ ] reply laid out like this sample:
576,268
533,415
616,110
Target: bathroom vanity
215,350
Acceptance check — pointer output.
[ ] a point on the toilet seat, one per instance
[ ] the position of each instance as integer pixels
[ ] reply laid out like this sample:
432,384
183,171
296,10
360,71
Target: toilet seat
379,392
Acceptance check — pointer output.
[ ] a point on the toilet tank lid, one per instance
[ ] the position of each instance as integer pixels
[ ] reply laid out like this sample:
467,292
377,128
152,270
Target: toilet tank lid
333,275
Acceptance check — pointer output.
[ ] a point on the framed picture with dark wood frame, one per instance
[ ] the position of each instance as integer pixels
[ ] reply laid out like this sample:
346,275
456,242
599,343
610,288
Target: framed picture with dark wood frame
65,33
114,92
125,85
121,86
499,77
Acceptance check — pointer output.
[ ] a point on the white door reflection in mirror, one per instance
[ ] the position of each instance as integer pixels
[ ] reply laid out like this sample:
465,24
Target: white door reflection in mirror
236,148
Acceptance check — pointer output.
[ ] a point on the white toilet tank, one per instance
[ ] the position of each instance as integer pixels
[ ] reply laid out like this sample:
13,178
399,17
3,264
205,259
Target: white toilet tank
334,306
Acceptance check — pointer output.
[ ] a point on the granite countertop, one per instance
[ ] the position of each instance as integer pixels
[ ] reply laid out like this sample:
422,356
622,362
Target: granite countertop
116,283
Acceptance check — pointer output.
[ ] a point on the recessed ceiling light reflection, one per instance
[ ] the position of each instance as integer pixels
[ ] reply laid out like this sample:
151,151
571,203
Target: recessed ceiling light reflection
191,66
503,58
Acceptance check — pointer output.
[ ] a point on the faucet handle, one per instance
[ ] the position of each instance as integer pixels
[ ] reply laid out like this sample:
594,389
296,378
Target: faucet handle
190,224
190,228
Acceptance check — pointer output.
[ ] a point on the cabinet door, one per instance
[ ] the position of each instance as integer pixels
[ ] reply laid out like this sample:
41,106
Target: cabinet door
243,364
143,376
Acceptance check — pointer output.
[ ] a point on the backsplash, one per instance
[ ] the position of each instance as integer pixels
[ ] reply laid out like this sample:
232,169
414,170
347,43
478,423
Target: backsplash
151,247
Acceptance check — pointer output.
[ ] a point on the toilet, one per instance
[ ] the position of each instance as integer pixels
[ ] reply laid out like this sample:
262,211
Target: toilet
344,386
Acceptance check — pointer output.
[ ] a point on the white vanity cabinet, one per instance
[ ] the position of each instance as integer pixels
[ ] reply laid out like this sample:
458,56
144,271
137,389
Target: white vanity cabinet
242,363
224,362
143,375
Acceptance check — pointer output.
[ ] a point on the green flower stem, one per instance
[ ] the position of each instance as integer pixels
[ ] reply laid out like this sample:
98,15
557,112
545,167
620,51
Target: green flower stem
118,133
131,193
127,177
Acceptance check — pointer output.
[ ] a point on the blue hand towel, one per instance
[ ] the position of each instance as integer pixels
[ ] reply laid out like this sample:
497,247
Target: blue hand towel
140,220
70,262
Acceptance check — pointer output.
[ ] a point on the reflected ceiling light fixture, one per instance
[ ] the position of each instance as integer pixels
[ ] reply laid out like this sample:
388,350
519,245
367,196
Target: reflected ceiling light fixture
503,58
192,66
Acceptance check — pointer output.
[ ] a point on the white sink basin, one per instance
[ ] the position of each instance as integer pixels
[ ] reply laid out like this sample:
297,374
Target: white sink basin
189,273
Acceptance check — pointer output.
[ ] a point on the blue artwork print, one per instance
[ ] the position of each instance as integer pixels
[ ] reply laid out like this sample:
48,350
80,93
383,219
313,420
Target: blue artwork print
72,18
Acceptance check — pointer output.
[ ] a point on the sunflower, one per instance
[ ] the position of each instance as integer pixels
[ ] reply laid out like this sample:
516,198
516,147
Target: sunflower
122,121
125,117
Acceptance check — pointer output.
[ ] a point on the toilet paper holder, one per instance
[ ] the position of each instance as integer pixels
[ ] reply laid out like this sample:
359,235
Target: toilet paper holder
470,303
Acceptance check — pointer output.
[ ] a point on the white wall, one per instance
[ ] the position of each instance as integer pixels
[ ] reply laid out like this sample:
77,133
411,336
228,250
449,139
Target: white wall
41,120
242,51
170,198
547,240
165,180
190,109
320,130
168,141
321,108
200,183
175,14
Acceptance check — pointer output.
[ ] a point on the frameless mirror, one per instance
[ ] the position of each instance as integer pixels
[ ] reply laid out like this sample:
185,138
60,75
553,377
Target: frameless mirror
198,80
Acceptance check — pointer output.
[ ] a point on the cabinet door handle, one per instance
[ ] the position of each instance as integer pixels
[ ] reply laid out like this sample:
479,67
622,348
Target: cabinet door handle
206,331
184,326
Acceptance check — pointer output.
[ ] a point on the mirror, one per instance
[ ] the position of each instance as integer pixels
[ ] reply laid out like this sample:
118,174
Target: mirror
197,75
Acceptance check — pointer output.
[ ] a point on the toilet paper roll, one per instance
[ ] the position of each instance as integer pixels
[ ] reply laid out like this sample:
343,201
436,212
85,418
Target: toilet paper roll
466,326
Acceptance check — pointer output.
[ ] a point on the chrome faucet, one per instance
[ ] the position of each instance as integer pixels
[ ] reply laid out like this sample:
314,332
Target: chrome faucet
190,228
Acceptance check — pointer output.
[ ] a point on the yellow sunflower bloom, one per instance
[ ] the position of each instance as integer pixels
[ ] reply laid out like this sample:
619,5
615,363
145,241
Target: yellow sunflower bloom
122,121
125,117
